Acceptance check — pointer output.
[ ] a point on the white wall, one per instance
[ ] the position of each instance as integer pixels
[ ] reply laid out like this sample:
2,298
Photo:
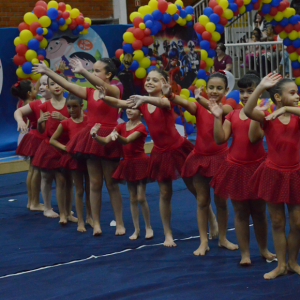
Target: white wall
120,11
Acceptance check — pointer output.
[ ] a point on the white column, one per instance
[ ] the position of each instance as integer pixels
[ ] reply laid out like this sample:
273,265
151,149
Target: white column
120,11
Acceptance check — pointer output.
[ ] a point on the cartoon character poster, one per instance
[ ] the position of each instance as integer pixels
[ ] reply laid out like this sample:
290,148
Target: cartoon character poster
178,52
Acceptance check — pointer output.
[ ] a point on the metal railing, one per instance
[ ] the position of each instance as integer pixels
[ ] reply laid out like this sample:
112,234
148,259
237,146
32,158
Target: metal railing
198,9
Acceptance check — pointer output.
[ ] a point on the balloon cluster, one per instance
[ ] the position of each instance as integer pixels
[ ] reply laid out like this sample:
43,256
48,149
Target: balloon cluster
39,26
147,22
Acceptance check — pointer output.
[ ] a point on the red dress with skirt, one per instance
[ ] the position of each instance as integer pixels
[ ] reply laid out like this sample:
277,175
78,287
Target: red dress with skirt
207,156
72,128
170,149
232,179
33,138
47,156
97,112
277,179
134,165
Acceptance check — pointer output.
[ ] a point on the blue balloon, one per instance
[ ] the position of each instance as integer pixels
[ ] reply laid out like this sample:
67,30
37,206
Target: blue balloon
33,44
284,22
27,67
293,19
191,93
148,17
214,18
157,15
208,11
296,43
179,7
233,7
154,30
41,52
211,53
189,23
145,50
80,28
134,66
205,45
52,13
49,35
249,7
274,22
232,1
298,92
235,94
295,64
275,3
178,120
189,128
189,10
166,18
152,58
175,17
122,67
266,8
54,25
201,74
287,42
150,68
75,31
219,28
61,22
128,48
158,25
199,37
65,94
149,24
40,31
183,13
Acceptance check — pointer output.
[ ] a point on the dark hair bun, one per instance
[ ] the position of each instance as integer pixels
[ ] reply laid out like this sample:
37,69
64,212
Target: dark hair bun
116,61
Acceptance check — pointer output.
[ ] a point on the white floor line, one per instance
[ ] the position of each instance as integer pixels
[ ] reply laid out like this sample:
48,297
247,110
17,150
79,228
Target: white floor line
9,157
99,256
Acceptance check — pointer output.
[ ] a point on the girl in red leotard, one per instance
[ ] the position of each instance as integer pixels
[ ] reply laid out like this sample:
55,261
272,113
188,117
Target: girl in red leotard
277,179
232,179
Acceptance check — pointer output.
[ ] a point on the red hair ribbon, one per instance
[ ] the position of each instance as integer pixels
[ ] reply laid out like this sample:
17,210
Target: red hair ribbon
17,84
220,71
58,71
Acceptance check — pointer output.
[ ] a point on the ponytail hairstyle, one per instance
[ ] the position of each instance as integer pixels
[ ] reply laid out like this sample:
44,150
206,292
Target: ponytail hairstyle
73,97
161,72
111,66
219,74
278,88
21,89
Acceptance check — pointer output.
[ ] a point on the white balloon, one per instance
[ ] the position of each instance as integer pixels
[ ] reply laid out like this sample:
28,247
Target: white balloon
231,81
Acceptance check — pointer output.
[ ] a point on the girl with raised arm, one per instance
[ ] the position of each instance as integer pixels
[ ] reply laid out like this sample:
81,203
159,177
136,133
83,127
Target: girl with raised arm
277,179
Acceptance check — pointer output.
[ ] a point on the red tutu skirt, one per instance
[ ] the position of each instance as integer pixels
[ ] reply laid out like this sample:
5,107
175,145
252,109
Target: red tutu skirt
132,169
276,186
68,162
29,145
205,165
84,143
232,181
167,165
47,157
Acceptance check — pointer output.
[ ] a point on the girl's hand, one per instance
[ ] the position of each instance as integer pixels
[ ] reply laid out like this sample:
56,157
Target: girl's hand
130,103
57,115
263,105
102,91
166,87
61,67
270,80
138,100
76,65
40,68
22,126
114,135
215,108
94,130
276,113
44,117
198,92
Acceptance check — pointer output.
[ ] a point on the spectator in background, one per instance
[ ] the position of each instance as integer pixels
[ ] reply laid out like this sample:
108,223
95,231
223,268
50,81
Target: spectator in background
222,61
261,23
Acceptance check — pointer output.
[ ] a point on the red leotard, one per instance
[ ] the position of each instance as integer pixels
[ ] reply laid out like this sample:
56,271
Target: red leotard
277,179
134,165
232,179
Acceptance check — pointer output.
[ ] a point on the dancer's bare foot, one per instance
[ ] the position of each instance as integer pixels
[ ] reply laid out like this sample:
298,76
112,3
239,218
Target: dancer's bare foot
293,267
89,221
81,227
203,248
245,261
63,220
135,235
39,207
49,213
120,230
268,255
278,271
228,245
213,229
97,230
169,242
149,233
72,219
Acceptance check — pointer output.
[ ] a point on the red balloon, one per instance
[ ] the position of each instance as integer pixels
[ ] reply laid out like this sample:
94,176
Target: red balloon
239,3
39,37
147,40
256,5
202,64
162,6
231,102
86,25
40,11
236,13
239,106
21,49
119,52
59,15
137,44
223,21
19,59
65,14
206,35
61,6
34,26
282,6
136,21
288,28
171,24
138,33
296,72
213,44
154,62
261,13
297,26
130,29
223,100
80,20
287,3
212,3
123,43
218,10
290,49
163,27
273,11
23,26
199,28
298,51
73,24
147,31
278,28
42,3
40,57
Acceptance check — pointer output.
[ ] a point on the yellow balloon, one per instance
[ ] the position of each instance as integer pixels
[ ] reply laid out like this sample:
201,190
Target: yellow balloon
128,37
288,12
88,20
43,43
121,57
20,73
268,18
266,1
52,4
145,62
63,27
191,99
68,7
138,55
45,31
179,2
25,36
172,9
216,36
189,18
246,2
183,96
279,16
46,63
35,77
179,20
74,13
283,35
293,56
17,41
30,55
200,82
203,20
293,35
187,116
228,14
45,21
185,92
209,62
30,18
203,54
223,4
134,14
35,61
144,10
140,73
242,9
153,4
183,22
297,80
84,31
211,27
142,26
193,119
68,21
